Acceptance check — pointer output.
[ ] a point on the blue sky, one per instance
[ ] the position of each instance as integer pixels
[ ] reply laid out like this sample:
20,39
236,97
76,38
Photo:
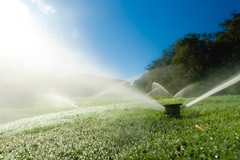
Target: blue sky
124,36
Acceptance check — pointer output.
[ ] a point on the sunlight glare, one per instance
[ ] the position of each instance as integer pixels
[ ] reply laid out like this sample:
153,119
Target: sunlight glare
23,46
16,29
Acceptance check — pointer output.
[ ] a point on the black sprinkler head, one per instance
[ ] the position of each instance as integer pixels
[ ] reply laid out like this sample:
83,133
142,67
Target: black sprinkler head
173,110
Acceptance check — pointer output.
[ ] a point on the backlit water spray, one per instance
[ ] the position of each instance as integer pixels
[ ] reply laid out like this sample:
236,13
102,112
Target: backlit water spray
183,91
224,85
41,74
159,90
123,93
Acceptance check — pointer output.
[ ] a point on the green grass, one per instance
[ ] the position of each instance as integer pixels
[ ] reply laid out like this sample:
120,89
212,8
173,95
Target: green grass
134,133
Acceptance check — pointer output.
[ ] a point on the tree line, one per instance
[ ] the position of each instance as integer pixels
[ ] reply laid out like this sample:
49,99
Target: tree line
196,58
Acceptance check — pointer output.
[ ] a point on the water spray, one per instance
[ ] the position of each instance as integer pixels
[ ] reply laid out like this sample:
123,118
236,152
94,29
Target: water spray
171,110
136,95
224,85
156,87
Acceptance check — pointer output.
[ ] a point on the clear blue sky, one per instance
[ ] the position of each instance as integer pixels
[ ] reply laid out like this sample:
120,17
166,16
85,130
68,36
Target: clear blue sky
124,36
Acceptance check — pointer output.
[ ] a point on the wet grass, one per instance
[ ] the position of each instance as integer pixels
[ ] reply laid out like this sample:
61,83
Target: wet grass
135,133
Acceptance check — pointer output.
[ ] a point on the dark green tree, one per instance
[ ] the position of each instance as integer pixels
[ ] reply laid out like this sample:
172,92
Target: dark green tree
165,59
227,43
192,55
196,56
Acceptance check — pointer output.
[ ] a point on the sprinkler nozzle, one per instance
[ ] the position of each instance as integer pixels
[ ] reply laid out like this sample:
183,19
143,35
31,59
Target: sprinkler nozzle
172,110
184,106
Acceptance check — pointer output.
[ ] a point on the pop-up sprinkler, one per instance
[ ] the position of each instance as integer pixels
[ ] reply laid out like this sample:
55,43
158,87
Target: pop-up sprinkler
173,110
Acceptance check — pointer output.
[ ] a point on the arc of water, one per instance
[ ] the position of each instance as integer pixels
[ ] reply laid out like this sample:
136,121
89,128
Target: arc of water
152,91
228,83
159,87
91,98
183,90
62,100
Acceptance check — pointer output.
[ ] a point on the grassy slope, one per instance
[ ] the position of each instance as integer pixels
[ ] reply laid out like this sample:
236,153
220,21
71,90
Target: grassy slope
135,133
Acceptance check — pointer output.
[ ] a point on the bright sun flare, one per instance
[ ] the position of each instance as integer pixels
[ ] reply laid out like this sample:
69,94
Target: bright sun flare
22,45
16,29
18,36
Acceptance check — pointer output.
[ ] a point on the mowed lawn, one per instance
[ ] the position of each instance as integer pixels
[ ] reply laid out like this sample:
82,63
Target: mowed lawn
209,129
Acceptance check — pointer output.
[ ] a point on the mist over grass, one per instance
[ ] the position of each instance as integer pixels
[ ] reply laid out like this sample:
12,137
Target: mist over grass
42,73
26,93
64,94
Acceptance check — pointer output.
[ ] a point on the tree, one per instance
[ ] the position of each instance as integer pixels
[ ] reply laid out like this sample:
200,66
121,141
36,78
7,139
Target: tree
195,56
227,43
164,61
192,55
